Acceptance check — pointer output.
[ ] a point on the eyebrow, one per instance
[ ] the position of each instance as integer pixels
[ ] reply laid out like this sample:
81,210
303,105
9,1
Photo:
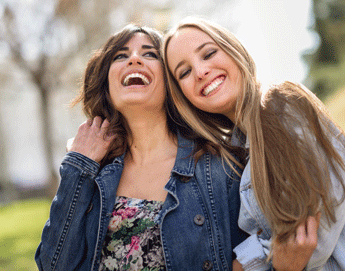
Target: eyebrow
143,47
198,49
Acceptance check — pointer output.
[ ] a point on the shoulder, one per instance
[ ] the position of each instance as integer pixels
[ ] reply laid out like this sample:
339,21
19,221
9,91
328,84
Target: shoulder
219,169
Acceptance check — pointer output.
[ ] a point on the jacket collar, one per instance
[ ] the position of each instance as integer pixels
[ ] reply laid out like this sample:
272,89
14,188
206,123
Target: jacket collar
184,163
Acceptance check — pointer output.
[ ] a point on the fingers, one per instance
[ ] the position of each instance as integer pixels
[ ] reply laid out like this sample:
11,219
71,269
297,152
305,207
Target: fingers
297,251
105,125
89,122
91,139
318,217
301,234
97,122
306,232
312,226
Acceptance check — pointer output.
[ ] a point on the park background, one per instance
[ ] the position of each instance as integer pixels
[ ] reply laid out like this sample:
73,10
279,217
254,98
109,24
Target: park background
44,48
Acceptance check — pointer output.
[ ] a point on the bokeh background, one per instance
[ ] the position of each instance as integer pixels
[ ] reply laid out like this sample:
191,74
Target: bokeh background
44,48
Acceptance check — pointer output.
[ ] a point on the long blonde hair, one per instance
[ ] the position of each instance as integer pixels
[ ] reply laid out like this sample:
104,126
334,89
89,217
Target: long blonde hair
282,151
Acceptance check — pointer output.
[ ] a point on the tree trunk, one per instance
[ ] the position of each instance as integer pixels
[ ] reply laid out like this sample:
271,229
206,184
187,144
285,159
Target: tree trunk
8,192
48,142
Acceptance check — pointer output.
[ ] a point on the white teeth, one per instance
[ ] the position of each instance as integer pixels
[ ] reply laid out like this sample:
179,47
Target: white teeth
136,75
213,86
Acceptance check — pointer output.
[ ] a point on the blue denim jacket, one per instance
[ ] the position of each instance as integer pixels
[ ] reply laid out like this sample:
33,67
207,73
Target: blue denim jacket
198,220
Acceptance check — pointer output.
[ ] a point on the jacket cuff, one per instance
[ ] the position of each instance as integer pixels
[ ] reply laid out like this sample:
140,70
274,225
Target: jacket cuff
250,253
81,161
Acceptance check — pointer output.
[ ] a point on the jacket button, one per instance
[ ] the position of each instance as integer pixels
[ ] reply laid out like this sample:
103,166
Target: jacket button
185,179
89,208
207,265
199,220
259,232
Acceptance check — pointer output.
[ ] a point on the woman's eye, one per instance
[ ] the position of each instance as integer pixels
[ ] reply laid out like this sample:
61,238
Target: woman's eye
209,54
151,54
119,56
184,74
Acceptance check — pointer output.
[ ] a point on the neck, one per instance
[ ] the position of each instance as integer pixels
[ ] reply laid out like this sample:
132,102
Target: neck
150,138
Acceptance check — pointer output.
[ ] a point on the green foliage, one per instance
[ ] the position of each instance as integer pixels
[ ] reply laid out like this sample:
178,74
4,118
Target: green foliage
327,62
21,224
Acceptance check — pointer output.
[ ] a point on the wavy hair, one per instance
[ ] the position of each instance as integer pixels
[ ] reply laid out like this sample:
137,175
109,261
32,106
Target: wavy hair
94,93
283,151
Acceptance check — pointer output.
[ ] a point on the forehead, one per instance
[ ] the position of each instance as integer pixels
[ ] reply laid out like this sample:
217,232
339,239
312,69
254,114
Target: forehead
139,39
190,36
184,44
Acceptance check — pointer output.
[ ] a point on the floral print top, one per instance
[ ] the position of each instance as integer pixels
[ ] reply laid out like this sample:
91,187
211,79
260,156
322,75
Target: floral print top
133,238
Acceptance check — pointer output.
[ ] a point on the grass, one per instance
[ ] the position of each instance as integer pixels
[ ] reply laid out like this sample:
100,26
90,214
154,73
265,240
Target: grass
21,224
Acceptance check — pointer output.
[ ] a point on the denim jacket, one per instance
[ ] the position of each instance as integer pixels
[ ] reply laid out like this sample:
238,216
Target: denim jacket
253,252
198,220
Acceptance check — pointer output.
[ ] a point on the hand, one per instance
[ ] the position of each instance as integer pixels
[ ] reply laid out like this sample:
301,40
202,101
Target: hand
91,139
236,265
298,249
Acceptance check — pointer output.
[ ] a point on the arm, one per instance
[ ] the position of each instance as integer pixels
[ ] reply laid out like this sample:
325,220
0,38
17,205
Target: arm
65,229
64,234
252,252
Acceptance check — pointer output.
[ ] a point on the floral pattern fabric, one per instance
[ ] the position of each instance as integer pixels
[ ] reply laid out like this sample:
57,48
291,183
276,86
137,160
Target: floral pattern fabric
133,238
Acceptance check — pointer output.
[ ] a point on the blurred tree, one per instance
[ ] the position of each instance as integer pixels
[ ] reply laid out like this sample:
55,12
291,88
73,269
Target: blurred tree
327,62
8,191
51,40
45,40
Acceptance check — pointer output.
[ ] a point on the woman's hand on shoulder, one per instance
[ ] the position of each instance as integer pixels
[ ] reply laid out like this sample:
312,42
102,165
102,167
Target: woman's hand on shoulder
297,251
91,139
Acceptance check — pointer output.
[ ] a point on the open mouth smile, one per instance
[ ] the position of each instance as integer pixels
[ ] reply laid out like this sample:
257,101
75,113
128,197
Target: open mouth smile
213,85
137,79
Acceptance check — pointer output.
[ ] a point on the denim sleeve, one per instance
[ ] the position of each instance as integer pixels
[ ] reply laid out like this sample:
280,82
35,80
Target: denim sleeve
252,253
331,238
62,237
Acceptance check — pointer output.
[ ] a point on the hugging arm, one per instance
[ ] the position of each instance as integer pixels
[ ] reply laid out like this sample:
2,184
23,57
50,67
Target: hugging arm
65,228
64,237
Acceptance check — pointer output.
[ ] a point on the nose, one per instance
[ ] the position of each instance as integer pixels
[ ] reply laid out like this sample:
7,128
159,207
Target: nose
134,59
202,72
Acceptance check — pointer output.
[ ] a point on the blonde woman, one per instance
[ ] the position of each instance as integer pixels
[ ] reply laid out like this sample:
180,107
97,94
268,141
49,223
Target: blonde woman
296,152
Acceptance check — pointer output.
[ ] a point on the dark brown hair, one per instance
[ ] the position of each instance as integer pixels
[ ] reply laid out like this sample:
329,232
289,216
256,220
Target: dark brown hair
94,93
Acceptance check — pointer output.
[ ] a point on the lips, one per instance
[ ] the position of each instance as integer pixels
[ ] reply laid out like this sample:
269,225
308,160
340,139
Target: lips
213,85
136,78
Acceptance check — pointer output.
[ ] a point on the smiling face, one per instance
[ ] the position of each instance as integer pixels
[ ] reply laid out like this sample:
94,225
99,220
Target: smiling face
136,75
207,76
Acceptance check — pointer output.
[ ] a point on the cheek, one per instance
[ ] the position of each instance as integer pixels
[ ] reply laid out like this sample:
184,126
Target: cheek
112,98
113,74
187,90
